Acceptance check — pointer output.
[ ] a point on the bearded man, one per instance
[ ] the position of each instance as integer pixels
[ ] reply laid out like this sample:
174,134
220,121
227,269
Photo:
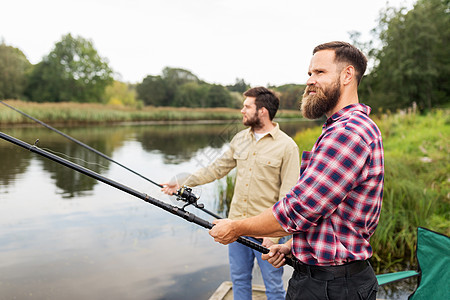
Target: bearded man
267,166
334,208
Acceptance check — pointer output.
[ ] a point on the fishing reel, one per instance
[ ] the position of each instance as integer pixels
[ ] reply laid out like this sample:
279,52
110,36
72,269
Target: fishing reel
185,194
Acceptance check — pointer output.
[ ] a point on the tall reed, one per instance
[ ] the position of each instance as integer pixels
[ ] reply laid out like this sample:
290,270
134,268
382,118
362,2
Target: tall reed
84,113
417,184
94,113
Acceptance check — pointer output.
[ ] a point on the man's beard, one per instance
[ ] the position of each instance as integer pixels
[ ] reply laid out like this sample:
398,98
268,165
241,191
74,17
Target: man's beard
254,122
324,100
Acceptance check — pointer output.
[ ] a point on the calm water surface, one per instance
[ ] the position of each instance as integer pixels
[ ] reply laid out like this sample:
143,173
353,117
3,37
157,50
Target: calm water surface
64,235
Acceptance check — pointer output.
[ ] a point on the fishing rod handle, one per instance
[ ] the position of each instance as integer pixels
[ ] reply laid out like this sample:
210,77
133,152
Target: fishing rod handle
199,221
262,249
255,246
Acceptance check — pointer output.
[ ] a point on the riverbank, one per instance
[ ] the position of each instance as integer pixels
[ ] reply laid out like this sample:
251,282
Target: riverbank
417,183
416,187
89,113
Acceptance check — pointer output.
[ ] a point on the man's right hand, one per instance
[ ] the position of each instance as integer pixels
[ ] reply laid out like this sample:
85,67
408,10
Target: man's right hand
277,254
170,188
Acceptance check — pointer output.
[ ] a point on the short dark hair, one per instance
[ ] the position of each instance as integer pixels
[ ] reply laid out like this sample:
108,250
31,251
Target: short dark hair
264,98
346,53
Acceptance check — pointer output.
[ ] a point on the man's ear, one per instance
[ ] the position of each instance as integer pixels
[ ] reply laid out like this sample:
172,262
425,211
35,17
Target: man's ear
348,74
264,111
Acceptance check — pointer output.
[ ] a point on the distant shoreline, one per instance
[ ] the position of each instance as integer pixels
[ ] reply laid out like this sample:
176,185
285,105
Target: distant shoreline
74,114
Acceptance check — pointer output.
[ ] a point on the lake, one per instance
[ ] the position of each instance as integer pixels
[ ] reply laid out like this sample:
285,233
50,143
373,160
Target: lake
66,235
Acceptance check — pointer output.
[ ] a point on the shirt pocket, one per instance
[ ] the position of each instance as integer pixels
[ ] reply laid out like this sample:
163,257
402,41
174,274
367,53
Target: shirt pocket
241,162
268,168
239,156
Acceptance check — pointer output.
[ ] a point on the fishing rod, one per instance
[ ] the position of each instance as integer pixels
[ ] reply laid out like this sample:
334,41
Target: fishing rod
175,210
183,194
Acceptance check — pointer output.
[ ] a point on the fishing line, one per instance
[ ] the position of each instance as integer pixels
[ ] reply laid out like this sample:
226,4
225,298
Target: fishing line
175,210
75,158
79,142
183,194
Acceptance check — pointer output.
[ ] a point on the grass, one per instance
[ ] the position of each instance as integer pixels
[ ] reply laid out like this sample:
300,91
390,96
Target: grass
417,164
88,113
417,183
82,113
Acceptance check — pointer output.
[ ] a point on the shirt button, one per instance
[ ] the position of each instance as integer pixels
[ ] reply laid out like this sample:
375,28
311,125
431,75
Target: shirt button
246,184
250,169
254,153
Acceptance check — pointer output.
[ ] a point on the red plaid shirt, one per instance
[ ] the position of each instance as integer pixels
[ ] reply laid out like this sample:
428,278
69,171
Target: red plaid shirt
334,208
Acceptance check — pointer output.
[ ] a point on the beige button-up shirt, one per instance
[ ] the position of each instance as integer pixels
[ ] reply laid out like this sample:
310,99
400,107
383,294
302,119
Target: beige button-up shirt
266,171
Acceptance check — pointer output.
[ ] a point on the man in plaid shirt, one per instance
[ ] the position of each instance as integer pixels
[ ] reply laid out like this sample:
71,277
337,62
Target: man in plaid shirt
334,208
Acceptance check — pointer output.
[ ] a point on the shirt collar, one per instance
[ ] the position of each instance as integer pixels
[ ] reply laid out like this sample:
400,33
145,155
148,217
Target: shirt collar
347,110
273,133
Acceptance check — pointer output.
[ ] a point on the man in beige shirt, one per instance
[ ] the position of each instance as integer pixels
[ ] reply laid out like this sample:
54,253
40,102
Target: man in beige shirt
267,162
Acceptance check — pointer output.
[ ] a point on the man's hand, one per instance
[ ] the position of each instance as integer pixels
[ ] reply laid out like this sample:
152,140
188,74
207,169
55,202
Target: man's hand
170,188
267,242
277,254
223,231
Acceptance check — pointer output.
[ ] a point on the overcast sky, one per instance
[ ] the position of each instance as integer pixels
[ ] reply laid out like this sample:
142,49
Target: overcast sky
260,41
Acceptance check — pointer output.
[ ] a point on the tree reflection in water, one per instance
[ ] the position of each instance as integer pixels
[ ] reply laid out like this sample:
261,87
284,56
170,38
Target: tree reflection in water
59,226
176,143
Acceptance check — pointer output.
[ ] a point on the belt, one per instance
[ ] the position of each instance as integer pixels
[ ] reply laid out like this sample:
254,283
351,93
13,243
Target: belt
331,272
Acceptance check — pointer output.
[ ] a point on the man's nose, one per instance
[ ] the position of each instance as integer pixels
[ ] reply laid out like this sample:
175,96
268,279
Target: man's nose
311,81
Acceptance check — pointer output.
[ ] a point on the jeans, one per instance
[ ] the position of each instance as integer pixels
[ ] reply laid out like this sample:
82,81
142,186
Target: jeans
360,286
241,265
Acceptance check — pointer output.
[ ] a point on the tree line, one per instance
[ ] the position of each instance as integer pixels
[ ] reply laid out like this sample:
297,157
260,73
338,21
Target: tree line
74,72
410,65
413,63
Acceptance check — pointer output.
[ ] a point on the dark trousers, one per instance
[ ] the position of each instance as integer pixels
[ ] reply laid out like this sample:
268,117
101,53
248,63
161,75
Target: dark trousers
304,284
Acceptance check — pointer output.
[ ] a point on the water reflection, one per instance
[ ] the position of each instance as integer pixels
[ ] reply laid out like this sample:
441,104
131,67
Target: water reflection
176,144
69,183
179,143
113,245
12,163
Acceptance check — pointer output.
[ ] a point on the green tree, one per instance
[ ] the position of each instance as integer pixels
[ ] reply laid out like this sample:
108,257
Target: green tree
191,94
120,93
73,71
413,64
174,78
240,86
180,87
290,95
218,96
13,72
177,76
162,90
153,91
